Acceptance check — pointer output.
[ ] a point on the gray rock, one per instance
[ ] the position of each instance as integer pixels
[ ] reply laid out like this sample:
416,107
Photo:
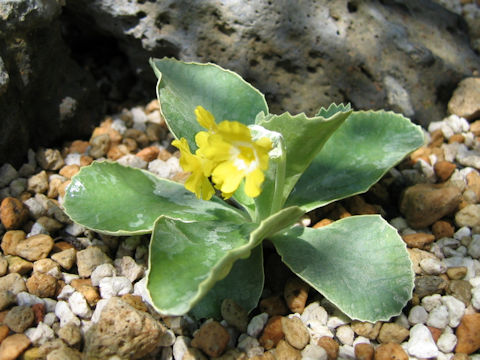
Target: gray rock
369,53
19,318
7,174
33,50
125,332
89,259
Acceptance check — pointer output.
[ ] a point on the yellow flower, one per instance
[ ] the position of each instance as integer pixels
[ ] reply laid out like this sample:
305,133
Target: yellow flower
200,169
228,154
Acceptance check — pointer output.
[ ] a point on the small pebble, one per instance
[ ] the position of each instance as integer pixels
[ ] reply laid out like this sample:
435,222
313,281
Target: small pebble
296,333
256,324
468,334
114,286
234,314
331,346
13,345
392,333
19,318
421,343
212,338
272,333
314,352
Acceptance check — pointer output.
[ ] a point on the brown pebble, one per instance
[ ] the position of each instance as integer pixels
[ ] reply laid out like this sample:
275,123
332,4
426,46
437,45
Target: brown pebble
468,334
4,330
42,285
442,228
212,338
62,188
391,351
78,146
284,351
459,138
322,223
234,315
418,240
460,356
135,301
38,183
85,160
364,351
149,153
273,305
130,144
66,258
35,247
392,332
61,246
13,213
457,272
295,332
38,312
10,241
152,106
366,329
423,204
18,265
13,346
295,294
272,333
436,332
117,151
19,318
69,170
106,128
139,136
331,347
421,153
358,206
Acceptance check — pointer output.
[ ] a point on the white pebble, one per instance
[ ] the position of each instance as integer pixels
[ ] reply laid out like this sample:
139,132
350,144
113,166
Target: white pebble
26,299
74,229
476,297
50,304
256,325
50,318
431,302
346,352
66,292
68,278
475,281
456,310
421,343
35,207
474,247
127,267
98,310
102,271
249,345
438,317
115,286
132,161
336,321
318,330
140,289
402,320
119,125
79,305
40,334
165,169
345,334
442,356
399,223
314,311
417,315
361,340
138,115
446,342
433,266
314,352
65,314
180,347
73,159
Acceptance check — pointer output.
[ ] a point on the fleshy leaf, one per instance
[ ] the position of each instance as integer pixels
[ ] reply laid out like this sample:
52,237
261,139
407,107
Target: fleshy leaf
188,258
113,199
244,284
333,109
356,156
359,263
184,86
303,138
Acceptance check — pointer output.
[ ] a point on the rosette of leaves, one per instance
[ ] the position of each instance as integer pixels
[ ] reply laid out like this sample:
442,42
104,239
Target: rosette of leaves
202,252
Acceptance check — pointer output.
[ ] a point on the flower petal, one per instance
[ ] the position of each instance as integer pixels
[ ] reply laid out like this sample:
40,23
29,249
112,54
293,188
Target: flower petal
205,118
253,183
227,177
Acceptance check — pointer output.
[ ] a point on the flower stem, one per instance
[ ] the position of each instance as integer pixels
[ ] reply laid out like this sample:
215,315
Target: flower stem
277,201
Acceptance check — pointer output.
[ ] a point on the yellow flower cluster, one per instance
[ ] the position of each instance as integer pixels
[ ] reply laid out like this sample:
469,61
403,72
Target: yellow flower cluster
227,154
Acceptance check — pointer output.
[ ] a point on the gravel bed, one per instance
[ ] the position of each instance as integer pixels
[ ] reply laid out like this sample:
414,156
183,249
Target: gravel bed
69,293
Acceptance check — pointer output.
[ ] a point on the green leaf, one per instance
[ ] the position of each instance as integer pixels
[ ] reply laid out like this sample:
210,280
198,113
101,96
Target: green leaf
183,86
303,138
188,258
244,284
357,155
113,199
359,263
333,109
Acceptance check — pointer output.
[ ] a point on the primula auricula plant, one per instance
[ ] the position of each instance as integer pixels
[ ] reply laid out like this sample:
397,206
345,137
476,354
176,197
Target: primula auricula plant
272,169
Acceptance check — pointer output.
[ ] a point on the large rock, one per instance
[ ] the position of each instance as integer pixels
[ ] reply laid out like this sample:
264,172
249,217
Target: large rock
44,95
404,55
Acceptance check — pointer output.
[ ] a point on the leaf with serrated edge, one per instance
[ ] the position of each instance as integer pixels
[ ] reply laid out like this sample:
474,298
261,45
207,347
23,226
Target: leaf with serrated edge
183,86
333,109
356,156
198,254
359,263
118,200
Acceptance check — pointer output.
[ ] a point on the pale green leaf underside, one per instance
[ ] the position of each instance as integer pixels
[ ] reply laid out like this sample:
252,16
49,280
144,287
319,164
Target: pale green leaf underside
355,157
188,258
110,198
244,284
333,109
184,86
359,263
303,138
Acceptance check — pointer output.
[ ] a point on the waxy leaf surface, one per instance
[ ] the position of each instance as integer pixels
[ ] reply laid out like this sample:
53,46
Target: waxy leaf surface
356,156
359,263
187,258
184,86
110,198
